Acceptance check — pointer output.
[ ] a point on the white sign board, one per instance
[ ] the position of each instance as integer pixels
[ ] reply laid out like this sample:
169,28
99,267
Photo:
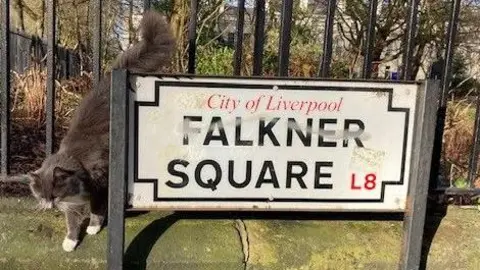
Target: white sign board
246,144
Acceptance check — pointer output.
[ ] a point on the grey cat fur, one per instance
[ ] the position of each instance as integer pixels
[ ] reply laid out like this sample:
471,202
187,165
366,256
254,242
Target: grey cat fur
76,175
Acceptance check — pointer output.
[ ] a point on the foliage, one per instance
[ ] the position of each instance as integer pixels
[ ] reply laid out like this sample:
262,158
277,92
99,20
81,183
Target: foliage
462,84
457,140
215,60
461,182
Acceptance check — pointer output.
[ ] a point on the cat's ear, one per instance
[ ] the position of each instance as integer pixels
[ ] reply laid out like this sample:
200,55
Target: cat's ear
61,174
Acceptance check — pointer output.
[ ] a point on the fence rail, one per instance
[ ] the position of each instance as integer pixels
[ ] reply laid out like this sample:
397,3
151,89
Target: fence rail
12,59
25,50
5,88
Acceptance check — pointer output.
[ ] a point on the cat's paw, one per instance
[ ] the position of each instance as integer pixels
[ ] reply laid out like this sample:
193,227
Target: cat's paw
93,229
69,245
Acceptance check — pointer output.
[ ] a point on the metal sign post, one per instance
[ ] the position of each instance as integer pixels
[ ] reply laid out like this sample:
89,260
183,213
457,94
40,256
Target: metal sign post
268,144
118,168
415,212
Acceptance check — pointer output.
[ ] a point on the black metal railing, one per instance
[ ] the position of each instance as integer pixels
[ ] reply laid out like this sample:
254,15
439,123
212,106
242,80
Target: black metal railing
287,7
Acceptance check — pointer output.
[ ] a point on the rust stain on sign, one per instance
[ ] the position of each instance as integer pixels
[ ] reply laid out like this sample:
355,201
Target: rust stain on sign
409,206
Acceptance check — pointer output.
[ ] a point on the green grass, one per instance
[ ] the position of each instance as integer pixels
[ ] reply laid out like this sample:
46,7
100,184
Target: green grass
161,240
32,240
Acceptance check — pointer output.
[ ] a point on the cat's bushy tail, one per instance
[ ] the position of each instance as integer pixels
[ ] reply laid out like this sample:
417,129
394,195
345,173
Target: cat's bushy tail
153,52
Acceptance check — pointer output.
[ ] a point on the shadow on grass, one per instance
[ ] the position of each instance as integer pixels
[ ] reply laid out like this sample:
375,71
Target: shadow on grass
433,220
139,249
83,231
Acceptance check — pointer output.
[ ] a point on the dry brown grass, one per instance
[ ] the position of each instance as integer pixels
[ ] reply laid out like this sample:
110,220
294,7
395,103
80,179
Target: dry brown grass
458,139
28,114
29,96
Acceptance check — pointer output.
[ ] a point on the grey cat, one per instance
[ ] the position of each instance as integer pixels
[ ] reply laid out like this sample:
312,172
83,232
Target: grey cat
75,178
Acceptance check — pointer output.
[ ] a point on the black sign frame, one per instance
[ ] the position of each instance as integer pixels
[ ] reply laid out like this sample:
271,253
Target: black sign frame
414,214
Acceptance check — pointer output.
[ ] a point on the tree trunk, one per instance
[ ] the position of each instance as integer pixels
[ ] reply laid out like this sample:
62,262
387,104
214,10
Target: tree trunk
177,22
18,6
40,23
417,61
130,23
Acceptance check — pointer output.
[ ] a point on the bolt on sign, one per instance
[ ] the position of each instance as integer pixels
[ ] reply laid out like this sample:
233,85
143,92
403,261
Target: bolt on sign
226,143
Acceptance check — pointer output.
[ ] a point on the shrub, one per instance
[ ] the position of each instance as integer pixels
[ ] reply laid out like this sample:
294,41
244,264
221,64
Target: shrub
214,60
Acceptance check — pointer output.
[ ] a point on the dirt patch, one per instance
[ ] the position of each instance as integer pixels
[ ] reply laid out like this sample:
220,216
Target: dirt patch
14,189
27,146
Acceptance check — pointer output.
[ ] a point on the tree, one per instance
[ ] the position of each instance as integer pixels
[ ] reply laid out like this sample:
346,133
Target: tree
390,29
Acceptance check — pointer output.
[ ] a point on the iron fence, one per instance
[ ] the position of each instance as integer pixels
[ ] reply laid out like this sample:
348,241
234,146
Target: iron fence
441,70
27,50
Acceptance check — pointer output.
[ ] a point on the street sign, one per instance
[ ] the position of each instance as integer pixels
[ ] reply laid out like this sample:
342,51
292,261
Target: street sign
235,143
252,144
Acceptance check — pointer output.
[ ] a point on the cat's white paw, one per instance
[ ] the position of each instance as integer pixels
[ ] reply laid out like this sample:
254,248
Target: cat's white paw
69,245
93,229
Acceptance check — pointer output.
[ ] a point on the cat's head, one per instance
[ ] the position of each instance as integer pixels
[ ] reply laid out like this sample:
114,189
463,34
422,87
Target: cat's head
60,179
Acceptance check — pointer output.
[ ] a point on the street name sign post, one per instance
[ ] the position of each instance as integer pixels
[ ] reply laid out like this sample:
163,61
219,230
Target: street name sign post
270,144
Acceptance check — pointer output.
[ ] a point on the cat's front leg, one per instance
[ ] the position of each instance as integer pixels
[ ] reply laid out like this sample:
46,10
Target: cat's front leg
74,220
98,211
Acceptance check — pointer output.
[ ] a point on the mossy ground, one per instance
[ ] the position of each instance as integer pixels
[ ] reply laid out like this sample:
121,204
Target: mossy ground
32,239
